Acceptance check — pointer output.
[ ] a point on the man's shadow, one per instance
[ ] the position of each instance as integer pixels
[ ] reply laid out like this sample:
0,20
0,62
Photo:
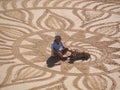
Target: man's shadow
82,56
52,60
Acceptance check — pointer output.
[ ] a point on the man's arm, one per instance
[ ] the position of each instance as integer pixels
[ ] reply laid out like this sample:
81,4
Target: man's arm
58,53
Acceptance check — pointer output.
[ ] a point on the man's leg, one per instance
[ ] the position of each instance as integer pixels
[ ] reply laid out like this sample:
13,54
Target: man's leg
52,60
64,51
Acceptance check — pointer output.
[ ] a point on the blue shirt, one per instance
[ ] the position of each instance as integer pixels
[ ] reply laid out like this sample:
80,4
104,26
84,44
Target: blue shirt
57,47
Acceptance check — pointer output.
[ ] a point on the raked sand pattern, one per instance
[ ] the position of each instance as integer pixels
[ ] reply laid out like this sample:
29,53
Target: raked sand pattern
27,28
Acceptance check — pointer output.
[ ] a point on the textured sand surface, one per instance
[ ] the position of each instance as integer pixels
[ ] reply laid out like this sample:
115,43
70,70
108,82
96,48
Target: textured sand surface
27,28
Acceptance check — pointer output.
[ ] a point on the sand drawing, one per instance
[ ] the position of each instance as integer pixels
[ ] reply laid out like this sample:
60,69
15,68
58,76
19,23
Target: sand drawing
27,28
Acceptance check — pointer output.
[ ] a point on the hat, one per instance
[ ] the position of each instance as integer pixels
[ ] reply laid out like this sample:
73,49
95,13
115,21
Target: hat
57,36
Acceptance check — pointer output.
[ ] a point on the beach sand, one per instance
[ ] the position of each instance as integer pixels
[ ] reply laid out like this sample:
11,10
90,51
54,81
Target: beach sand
27,28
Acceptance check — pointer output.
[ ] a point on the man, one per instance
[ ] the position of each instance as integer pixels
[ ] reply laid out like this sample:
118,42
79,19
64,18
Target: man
58,48
57,52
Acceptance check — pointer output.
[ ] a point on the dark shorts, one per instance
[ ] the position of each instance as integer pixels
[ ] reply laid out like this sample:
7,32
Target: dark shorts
52,60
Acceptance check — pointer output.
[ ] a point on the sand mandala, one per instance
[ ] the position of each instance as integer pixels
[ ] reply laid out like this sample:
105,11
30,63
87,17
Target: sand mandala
27,28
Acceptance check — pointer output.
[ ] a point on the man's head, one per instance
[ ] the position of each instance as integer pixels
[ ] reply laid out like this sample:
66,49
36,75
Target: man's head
57,38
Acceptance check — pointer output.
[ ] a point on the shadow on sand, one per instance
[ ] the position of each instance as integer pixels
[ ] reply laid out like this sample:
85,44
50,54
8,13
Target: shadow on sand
52,60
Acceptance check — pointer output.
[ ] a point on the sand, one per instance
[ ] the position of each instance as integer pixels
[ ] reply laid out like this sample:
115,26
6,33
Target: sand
27,28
